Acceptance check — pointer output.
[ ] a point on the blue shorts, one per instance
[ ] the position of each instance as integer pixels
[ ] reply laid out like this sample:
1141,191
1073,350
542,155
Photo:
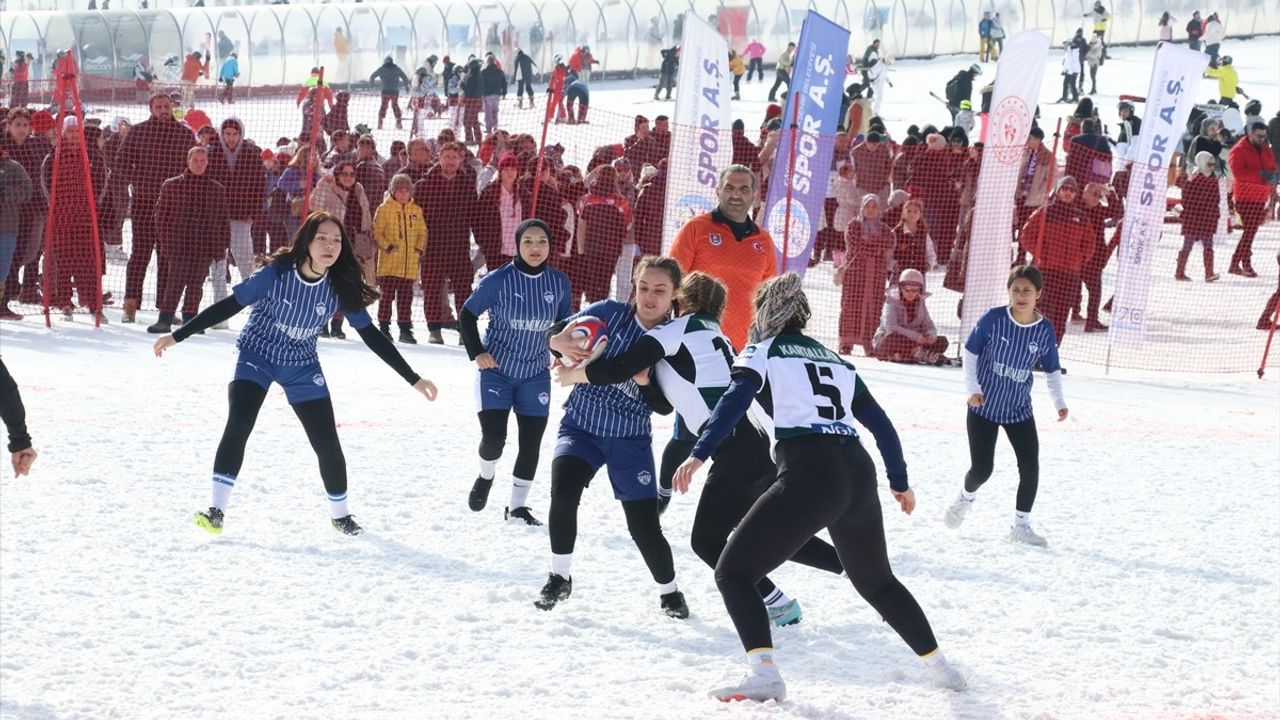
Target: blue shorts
629,459
301,383
497,391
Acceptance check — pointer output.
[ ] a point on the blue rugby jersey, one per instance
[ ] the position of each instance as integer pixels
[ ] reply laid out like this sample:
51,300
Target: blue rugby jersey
611,410
1007,353
288,313
521,309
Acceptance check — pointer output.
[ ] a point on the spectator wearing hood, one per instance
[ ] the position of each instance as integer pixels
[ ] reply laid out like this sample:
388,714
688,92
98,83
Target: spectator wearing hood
390,78
906,331
868,241
74,263
1057,236
235,164
1200,199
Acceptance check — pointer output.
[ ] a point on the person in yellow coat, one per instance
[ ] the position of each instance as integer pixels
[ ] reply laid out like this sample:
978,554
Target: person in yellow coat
738,68
1228,81
400,232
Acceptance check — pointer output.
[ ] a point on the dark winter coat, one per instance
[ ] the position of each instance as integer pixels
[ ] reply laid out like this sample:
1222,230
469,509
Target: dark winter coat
488,219
473,82
245,184
1067,243
448,205
495,81
30,155
155,151
15,189
1200,198
191,216
391,78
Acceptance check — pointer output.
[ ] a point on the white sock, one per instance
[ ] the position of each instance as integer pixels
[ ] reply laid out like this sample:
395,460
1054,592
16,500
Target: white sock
933,658
968,496
761,662
1022,518
338,506
777,598
487,468
519,492
560,564
222,486
667,588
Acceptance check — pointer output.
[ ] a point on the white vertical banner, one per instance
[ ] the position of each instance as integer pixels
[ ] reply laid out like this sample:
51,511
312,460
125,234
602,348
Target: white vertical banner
701,122
1013,103
1175,78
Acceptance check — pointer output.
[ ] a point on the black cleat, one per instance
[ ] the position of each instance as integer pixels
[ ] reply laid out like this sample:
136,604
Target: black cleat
521,513
673,605
347,525
479,496
557,589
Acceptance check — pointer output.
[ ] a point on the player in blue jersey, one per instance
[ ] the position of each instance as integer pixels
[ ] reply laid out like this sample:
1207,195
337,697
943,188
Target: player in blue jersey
293,297
524,299
806,393
608,426
1003,350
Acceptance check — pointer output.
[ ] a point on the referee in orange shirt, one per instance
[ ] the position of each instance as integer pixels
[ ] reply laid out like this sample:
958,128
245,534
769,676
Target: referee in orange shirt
728,245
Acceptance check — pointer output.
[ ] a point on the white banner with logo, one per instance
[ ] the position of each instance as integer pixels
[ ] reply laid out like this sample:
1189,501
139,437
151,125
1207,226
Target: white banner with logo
1175,78
700,125
1013,102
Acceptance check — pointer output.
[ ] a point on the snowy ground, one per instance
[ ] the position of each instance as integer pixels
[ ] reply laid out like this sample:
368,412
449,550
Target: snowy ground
1159,596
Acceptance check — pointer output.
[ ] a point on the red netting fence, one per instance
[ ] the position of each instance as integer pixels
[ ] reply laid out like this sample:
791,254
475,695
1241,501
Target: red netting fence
102,228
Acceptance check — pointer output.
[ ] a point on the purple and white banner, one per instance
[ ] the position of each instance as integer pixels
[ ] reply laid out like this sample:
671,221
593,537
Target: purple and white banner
700,124
1175,79
817,79
1013,102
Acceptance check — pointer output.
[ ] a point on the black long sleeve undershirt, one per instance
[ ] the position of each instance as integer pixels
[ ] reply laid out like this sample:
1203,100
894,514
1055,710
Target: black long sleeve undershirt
229,307
13,412
607,371
469,329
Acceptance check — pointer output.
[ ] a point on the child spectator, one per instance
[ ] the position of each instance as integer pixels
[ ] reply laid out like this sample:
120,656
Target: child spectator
400,232
906,330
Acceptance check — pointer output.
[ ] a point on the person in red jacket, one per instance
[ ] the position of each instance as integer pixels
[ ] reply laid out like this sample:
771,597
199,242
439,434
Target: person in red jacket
1254,168
1058,238
1200,198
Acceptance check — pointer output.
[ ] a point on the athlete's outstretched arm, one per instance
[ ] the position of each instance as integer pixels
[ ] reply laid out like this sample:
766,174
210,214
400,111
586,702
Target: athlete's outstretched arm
382,347
221,311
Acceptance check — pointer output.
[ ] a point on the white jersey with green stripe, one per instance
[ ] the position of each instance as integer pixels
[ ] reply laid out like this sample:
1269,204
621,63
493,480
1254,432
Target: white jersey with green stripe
694,370
806,389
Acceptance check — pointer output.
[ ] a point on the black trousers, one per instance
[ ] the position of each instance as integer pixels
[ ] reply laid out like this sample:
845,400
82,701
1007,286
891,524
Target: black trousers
755,66
982,451
245,400
780,77
569,477
741,471
823,481
493,437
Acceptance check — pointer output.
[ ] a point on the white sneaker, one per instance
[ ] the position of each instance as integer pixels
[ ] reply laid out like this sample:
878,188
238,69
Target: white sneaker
957,511
760,684
945,675
1024,534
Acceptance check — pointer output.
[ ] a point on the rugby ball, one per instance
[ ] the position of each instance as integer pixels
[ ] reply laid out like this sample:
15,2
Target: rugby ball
589,333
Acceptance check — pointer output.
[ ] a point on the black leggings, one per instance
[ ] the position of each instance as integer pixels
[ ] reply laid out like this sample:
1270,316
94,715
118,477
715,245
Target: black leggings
823,481
524,84
569,477
982,449
741,471
493,436
245,399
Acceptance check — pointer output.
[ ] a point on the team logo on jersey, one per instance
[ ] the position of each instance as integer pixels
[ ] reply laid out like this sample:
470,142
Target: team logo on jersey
549,297
1033,347
757,247
715,239
321,309
644,477
544,398
318,379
